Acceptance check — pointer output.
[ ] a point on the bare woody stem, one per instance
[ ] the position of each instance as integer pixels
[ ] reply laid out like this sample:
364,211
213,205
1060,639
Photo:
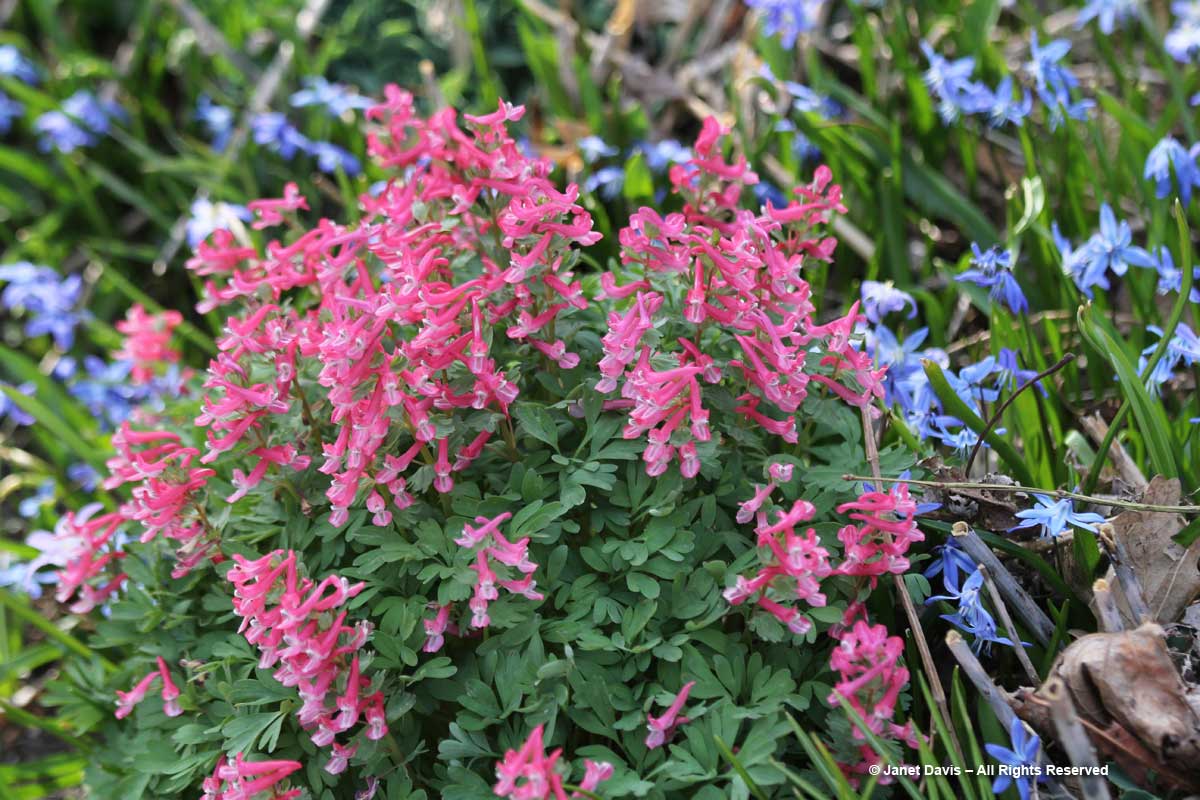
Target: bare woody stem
1074,740
1131,587
1009,627
1106,607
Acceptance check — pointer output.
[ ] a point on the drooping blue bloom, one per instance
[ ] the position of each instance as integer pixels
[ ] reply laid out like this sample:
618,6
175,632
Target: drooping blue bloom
787,18
1170,156
951,85
1061,108
42,496
1184,347
331,158
662,154
593,148
1009,373
18,576
10,410
48,301
83,475
217,121
1055,515
335,98
273,131
971,615
606,180
949,560
993,271
15,65
767,192
80,122
880,299
9,110
108,393
1021,759
1003,108
1046,69
1183,39
1107,13
1170,277
961,441
208,217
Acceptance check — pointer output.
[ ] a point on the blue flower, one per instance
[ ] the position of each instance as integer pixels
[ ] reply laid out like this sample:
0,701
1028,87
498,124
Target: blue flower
49,302
208,217
1022,758
336,98
767,192
660,155
880,299
1055,515
950,83
273,131
950,559
13,411
107,392
1045,67
993,271
1107,13
15,65
217,121
80,122
593,148
1010,375
607,180
1170,277
787,18
1003,108
9,110
42,496
1183,347
961,441
1167,156
331,158
1183,40
83,475
1110,248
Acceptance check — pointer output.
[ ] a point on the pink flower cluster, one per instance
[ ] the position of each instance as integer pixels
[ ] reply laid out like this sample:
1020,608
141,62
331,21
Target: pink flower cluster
530,774
793,567
82,547
170,693
148,341
301,626
492,551
166,481
867,661
249,780
879,543
747,315
471,236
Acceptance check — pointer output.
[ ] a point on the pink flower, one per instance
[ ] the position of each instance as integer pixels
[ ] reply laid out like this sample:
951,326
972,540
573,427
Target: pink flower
530,774
662,728
245,780
127,700
268,210
170,693
148,341
81,546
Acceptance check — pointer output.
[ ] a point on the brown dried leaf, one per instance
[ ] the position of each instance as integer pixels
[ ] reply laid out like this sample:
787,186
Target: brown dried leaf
1129,679
1168,574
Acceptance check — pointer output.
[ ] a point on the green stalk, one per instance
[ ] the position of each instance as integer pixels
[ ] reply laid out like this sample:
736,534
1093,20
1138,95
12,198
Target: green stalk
23,612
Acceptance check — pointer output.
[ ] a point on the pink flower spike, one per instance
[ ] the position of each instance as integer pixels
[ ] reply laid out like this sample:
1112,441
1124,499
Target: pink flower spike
662,728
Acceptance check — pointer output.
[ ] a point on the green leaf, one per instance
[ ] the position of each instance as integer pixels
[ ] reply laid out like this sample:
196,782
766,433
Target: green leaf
1151,419
537,422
